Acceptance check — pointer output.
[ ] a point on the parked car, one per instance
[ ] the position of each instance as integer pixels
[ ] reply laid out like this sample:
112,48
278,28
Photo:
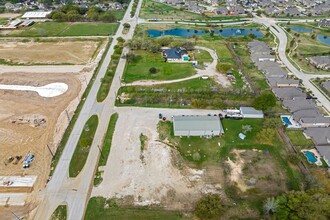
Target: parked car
160,116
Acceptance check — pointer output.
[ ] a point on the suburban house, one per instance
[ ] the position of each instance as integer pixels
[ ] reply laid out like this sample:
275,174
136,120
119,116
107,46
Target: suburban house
176,54
308,118
324,23
281,82
288,93
326,85
320,136
297,104
320,62
249,112
197,125
325,152
221,11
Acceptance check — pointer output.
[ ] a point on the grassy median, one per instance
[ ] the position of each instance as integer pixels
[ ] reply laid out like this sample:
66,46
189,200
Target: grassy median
81,152
60,213
106,148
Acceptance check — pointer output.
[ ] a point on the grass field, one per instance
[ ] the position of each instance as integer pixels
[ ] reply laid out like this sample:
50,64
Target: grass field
61,29
60,213
139,69
297,138
96,209
81,152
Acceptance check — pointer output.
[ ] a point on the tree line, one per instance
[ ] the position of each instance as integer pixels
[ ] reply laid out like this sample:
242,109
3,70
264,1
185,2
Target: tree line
73,13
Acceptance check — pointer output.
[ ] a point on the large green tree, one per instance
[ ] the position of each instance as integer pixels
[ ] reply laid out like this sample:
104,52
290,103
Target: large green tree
264,101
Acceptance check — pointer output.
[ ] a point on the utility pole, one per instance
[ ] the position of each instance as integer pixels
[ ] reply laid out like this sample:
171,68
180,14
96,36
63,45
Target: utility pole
98,146
67,114
50,151
16,216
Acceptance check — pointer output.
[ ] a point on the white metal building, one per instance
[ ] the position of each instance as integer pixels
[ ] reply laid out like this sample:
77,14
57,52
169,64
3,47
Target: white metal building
36,14
197,125
249,112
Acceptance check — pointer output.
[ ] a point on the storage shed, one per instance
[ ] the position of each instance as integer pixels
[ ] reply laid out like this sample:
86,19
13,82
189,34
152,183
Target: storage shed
197,125
249,112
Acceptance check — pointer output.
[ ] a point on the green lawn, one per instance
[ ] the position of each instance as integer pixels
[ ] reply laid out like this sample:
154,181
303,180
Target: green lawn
297,138
81,152
45,29
139,69
96,210
60,213
90,29
108,139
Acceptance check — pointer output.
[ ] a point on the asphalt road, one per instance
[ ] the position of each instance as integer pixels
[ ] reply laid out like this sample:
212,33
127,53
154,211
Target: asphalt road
282,37
75,192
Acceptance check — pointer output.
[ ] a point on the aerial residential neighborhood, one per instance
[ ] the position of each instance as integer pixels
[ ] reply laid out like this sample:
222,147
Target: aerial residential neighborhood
164,109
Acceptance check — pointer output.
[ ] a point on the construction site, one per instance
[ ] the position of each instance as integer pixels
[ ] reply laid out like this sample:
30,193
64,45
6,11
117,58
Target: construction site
36,106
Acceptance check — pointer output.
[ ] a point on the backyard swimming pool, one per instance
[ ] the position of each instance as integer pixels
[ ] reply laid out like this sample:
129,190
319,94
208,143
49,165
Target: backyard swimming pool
310,156
286,120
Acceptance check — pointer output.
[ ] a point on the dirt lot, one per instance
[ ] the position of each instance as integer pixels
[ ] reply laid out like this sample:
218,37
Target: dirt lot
157,174
9,15
60,52
256,170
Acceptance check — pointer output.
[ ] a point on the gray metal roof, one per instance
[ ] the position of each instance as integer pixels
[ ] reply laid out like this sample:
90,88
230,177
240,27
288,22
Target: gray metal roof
275,81
197,123
250,110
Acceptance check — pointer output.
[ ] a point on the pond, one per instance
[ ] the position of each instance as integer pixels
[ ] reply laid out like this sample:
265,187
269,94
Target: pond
226,32
301,29
324,39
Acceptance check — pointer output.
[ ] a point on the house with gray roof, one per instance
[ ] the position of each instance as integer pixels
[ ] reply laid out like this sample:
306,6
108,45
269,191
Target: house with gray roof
299,104
325,152
288,93
292,11
320,62
326,85
320,136
308,118
197,125
281,82
324,23
271,69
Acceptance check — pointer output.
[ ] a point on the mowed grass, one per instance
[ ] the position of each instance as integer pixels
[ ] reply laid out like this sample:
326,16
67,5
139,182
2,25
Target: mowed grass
96,209
108,139
81,152
139,69
297,138
60,213
46,29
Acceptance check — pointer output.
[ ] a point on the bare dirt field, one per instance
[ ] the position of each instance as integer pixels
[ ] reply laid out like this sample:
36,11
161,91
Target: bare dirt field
60,52
20,128
155,175
9,15
256,170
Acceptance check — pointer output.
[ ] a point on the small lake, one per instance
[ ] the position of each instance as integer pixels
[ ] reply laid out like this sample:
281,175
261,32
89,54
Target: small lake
301,29
226,32
324,39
